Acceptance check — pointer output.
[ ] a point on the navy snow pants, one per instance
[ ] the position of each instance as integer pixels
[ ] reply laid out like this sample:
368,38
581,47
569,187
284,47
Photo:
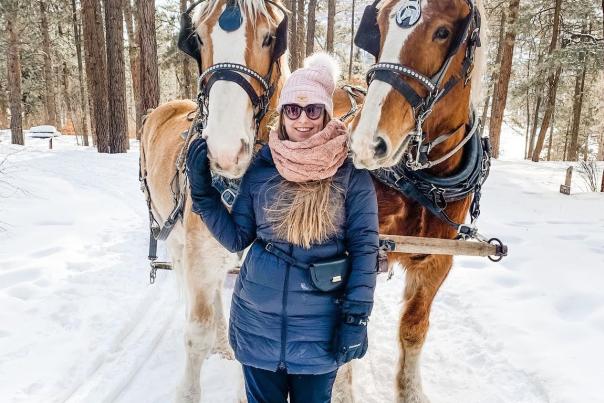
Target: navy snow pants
264,386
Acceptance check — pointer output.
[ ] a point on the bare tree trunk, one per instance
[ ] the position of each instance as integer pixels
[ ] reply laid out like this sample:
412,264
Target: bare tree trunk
602,135
500,96
149,75
577,105
3,105
528,105
82,109
551,135
116,69
566,136
96,70
331,19
535,122
310,27
495,73
133,56
67,98
351,41
186,82
291,34
552,87
13,66
300,48
547,115
90,105
50,103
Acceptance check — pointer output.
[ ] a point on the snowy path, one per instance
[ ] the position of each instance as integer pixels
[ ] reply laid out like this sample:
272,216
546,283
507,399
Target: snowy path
80,323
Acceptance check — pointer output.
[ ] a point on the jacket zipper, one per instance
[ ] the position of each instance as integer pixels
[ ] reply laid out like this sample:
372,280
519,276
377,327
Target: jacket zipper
282,365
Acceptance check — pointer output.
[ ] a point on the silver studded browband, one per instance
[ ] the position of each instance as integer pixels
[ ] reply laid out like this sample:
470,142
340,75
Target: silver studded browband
397,68
234,67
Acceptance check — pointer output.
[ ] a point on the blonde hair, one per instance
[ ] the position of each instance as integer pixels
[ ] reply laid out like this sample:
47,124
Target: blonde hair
306,213
309,212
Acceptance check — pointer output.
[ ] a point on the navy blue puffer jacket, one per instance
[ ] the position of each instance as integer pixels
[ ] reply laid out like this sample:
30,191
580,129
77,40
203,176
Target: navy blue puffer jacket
278,319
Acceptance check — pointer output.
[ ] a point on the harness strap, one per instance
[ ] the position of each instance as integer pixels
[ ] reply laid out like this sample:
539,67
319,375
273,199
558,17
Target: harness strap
228,189
428,147
434,192
231,76
392,78
353,102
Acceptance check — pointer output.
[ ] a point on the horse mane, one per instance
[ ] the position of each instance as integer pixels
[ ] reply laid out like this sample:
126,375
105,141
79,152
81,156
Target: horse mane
251,8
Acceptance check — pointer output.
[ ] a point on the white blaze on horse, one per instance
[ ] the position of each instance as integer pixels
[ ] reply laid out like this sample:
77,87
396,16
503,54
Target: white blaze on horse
418,130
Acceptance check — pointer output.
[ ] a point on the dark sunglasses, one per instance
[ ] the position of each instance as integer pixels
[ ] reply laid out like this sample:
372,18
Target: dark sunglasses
313,111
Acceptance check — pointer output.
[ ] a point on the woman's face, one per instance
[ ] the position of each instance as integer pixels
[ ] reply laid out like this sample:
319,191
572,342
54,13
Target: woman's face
303,127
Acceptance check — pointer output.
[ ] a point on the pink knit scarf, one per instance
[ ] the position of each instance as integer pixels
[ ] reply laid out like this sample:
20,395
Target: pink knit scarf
315,158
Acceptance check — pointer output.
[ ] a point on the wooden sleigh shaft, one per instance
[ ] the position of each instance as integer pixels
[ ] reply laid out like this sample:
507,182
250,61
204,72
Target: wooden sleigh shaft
437,246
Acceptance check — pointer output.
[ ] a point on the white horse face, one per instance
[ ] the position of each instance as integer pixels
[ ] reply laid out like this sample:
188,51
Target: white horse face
231,128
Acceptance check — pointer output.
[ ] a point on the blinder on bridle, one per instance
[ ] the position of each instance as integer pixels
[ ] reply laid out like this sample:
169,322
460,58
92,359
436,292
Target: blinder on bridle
368,38
230,20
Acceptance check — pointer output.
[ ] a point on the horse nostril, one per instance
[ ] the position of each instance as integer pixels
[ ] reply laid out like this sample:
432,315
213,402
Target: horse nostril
380,147
243,150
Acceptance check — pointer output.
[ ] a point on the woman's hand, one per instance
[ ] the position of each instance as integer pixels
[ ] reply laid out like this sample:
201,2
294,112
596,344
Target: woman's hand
198,169
351,339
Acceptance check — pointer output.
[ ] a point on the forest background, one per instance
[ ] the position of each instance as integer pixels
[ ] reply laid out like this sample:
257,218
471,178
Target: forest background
545,76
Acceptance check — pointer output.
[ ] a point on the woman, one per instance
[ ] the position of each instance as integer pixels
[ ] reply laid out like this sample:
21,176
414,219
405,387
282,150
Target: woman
301,202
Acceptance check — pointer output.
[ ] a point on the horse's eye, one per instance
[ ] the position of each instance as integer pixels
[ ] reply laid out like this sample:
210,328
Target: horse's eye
268,40
441,33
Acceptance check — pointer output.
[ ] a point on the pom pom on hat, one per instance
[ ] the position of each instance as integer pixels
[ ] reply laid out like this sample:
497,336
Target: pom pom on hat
312,84
323,60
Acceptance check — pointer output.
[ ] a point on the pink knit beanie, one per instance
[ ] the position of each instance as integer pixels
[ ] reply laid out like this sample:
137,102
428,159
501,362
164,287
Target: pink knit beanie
312,84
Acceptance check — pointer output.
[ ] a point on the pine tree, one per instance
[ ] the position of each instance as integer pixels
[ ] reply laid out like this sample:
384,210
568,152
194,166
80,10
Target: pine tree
552,89
331,16
149,74
14,73
116,69
96,71
501,94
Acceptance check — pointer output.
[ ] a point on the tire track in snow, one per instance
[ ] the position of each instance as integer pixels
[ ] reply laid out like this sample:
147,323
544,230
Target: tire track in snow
114,367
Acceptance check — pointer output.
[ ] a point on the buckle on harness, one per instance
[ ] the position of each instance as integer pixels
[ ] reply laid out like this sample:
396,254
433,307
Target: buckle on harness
228,197
467,231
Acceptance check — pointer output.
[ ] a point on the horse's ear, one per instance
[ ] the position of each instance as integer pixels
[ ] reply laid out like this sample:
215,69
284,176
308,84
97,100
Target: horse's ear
368,34
280,34
280,39
188,40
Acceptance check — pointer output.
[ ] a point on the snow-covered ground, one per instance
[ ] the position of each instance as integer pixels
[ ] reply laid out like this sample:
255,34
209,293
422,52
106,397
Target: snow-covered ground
79,321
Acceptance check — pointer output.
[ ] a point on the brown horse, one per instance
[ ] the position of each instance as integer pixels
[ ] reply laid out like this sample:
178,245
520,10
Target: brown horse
426,37
232,128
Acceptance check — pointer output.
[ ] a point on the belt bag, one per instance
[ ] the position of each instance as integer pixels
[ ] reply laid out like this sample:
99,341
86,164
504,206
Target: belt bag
326,275
330,275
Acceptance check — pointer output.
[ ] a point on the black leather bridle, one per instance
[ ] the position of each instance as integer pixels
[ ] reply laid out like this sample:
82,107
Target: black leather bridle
190,43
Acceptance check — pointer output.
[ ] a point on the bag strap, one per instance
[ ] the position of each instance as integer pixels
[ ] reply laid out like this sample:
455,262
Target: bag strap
272,249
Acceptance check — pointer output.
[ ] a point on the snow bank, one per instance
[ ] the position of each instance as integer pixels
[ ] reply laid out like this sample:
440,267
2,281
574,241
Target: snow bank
79,321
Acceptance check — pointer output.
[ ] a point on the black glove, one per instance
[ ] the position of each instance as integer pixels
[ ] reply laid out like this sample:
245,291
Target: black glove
351,338
198,169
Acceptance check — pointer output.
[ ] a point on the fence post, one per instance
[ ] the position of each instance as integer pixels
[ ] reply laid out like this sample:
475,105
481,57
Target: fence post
565,189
